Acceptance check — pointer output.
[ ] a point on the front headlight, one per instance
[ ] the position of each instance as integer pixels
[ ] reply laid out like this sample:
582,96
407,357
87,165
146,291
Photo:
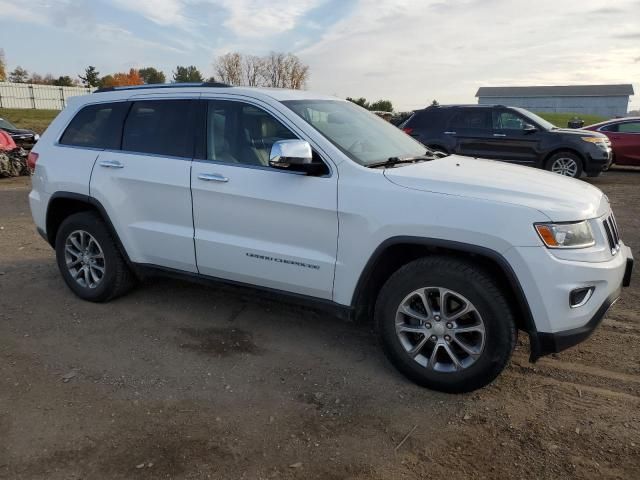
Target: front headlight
566,235
599,141
36,137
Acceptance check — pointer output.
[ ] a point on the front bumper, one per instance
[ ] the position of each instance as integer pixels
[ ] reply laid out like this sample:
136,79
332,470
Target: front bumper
598,160
545,343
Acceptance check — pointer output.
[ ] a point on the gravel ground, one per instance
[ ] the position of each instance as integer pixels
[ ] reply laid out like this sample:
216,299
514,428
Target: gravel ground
178,380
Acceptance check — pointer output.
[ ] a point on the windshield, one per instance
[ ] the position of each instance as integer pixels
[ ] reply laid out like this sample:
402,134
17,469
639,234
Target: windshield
537,119
6,124
362,136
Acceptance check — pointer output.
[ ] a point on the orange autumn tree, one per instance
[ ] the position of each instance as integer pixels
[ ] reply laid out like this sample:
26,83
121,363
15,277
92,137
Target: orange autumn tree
122,79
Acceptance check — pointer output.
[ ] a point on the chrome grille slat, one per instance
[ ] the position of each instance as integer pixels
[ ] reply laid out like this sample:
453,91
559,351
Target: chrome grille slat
613,235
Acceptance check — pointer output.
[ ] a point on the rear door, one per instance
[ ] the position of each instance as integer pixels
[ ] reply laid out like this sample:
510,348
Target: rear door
256,224
511,141
145,185
472,130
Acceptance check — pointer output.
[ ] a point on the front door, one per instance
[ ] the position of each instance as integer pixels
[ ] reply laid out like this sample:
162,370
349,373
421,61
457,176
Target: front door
145,185
255,224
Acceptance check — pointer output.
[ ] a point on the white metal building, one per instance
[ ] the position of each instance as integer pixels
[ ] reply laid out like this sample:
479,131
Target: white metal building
603,100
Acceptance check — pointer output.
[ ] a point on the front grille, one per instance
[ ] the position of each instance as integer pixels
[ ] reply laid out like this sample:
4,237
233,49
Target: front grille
613,235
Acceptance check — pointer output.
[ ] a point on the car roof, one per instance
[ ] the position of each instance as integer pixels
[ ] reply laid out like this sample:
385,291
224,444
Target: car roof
614,120
122,93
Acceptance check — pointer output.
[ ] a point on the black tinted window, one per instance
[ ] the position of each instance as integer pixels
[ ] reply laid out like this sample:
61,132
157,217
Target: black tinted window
97,126
241,133
163,127
610,128
428,118
474,118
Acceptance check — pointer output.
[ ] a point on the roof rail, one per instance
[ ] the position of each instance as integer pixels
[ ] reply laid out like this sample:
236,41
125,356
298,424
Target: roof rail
163,85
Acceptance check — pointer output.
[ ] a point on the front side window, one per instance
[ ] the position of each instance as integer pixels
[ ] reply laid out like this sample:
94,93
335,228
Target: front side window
507,121
610,128
629,127
162,127
241,133
472,118
96,126
362,136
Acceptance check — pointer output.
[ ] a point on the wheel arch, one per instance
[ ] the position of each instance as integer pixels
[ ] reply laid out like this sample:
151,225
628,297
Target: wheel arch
395,252
564,149
63,204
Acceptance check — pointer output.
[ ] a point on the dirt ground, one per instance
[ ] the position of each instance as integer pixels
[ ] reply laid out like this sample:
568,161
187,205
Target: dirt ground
178,380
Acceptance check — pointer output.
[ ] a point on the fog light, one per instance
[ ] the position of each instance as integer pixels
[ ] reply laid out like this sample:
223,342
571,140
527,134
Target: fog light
580,296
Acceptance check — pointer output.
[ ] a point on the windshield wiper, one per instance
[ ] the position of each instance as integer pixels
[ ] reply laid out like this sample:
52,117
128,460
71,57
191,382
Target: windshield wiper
393,161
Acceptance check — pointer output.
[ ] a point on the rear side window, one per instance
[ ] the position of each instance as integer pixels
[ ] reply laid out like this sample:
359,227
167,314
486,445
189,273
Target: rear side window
472,118
96,126
630,127
428,118
163,127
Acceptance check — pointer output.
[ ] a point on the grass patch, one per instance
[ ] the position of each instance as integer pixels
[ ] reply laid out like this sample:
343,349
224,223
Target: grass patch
561,119
36,120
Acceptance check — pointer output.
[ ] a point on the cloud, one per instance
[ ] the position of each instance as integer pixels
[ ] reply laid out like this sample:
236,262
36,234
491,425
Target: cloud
256,18
413,52
161,12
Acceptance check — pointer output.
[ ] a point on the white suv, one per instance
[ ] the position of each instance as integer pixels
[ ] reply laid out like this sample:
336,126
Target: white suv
311,196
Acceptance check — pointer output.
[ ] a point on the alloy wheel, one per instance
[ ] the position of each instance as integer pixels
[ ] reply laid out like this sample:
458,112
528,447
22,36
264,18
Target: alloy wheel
440,329
565,166
84,259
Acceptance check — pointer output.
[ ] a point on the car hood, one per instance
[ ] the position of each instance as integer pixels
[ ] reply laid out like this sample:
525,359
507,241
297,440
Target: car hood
18,131
560,198
577,132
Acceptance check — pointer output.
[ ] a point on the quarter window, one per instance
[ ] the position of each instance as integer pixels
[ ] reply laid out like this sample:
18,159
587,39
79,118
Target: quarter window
96,126
241,133
163,127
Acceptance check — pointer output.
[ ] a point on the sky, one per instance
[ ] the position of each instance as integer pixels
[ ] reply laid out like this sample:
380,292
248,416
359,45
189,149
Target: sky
408,51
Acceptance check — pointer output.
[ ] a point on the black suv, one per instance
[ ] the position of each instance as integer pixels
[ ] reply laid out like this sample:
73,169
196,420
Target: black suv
23,138
511,134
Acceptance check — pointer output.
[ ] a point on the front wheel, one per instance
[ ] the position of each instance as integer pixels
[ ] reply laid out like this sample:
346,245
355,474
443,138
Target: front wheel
445,324
565,163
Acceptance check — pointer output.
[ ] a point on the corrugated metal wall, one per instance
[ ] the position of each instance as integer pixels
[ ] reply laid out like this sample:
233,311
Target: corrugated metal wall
608,107
41,97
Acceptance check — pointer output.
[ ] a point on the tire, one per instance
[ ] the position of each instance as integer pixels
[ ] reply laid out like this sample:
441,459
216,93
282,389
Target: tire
565,163
83,237
458,282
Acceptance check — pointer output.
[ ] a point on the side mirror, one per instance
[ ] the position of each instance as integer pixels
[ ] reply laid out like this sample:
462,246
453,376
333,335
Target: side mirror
293,155
528,128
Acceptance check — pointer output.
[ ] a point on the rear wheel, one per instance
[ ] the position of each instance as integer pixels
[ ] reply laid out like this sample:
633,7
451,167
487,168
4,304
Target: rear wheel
445,324
89,259
565,163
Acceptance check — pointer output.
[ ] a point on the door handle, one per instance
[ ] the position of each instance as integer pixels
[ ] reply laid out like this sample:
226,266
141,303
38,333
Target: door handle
499,134
213,177
111,164
449,133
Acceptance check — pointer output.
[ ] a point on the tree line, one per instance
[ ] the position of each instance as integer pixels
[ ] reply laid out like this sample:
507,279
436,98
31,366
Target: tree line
284,70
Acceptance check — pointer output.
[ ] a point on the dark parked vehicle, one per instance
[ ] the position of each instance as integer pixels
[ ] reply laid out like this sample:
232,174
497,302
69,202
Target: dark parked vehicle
510,134
23,138
624,134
